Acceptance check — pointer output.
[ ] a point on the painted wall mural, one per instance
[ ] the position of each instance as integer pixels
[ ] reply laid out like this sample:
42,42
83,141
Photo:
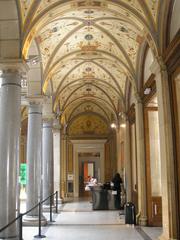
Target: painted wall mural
88,125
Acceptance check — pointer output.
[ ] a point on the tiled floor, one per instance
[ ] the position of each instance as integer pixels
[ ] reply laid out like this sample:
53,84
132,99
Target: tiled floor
76,220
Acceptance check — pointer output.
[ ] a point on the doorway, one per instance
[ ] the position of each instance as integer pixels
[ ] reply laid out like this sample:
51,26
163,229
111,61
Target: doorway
88,168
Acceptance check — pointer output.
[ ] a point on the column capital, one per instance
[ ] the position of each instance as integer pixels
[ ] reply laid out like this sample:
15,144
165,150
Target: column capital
48,114
138,99
13,65
32,100
158,66
56,124
35,108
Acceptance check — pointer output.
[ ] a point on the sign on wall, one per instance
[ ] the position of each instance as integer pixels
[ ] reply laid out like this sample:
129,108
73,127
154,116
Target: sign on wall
23,173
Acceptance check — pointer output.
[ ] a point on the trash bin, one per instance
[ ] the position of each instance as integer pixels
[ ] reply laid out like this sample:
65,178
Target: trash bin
130,213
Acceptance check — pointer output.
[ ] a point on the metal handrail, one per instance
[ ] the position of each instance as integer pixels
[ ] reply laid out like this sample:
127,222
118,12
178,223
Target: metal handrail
40,211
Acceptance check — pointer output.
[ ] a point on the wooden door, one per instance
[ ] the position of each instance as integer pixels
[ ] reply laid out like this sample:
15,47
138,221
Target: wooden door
154,199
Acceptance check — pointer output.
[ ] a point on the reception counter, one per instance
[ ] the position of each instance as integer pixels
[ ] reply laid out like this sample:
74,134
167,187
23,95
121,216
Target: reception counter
103,199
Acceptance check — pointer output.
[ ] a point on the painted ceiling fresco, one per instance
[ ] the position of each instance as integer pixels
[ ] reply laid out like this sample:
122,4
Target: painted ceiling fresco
88,125
88,107
88,48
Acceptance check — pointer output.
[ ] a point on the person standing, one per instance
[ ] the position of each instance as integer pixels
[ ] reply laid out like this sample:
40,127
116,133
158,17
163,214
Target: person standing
117,181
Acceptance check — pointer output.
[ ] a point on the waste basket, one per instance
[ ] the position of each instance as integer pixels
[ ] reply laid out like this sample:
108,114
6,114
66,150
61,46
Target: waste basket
130,213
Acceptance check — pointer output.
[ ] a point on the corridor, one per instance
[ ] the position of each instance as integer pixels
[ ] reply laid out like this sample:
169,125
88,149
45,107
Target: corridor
77,220
90,90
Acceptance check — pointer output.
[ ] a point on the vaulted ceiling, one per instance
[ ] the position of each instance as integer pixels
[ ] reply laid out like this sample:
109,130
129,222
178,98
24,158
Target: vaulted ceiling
88,49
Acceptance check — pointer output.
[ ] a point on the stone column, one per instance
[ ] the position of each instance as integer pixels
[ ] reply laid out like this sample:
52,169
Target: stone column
169,195
63,165
118,149
56,154
34,167
128,172
47,159
141,169
10,115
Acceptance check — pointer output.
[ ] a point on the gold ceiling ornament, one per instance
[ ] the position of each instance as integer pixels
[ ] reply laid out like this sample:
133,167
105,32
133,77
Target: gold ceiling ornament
90,124
89,3
90,47
88,108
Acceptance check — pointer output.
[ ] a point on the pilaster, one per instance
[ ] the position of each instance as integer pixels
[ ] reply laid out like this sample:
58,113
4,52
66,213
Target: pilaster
128,162
141,170
169,206
63,164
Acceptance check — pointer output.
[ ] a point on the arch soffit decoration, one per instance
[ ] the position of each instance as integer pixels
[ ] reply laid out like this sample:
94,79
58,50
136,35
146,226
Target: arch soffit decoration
100,101
90,19
86,117
88,106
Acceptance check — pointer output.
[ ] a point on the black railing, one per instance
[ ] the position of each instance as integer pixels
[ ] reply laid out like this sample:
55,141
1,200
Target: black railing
39,205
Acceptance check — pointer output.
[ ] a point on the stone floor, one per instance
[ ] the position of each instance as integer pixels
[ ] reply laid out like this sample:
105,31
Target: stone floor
76,220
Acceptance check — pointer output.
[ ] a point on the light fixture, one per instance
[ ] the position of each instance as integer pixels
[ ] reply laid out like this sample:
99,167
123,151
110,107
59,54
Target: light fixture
123,125
113,125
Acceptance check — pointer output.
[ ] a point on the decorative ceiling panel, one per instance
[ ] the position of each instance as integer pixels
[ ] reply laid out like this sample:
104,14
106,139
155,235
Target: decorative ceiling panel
88,107
88,125
45,4
135,5
127,35
89,90
93,71
116,71
89,39
127,14
53,33
61,74
25,6
153,7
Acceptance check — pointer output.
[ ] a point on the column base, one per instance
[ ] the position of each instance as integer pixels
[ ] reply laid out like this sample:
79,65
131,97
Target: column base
34,221
163,237
143,221
46,208
10,237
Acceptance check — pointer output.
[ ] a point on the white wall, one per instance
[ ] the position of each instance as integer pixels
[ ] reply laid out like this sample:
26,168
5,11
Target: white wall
148,62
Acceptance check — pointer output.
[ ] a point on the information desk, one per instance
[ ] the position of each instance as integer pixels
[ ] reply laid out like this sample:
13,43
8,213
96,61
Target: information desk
103,199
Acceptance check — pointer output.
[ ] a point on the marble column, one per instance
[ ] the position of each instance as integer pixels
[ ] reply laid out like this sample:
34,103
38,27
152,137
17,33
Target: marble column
128,172
34,166
63,164
169,194
47,159
141,169
118,149
10,115
56,155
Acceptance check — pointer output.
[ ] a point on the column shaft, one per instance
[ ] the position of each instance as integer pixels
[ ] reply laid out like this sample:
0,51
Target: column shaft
141,170
10,100
56,152
47,158
63,166
34,157
128,163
